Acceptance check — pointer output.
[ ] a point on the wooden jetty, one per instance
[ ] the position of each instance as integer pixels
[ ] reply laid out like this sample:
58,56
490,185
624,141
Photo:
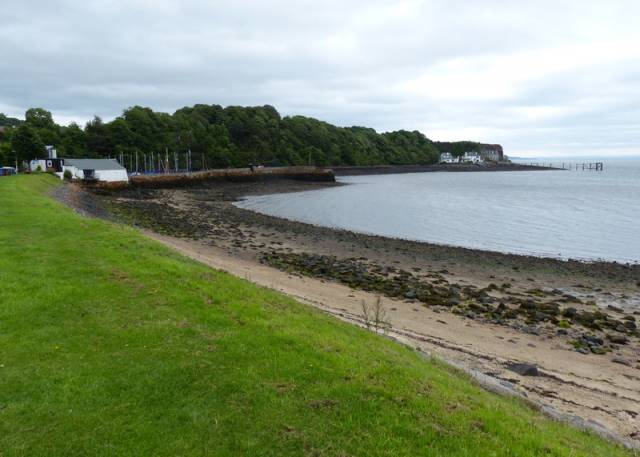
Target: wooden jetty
586,166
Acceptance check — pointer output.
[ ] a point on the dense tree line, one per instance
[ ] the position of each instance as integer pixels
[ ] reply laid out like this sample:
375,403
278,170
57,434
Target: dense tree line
217,137
458,148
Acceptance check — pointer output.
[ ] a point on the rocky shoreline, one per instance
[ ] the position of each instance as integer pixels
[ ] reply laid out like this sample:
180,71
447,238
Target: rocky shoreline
589,309
524,312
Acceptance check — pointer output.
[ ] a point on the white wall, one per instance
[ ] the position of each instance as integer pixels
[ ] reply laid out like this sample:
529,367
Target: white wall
101,175
33,165
77,174
112,175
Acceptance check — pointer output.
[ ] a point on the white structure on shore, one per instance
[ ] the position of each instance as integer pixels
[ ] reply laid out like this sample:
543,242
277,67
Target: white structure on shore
447,157
51,162
106,170
467,157
492,155
472,157
45,165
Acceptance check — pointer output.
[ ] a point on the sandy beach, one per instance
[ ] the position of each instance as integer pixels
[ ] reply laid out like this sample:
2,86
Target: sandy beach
572,324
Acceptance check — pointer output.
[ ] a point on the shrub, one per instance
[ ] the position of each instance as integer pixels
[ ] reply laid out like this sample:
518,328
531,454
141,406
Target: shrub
67,175
38,169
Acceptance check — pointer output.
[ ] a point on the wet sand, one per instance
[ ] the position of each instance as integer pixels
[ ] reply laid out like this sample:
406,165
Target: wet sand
575,322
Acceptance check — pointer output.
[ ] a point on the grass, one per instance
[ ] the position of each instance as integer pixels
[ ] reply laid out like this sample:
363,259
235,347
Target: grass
111,344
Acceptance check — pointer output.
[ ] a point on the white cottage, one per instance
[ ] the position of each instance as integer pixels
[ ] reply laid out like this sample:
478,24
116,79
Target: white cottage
471,156
492,155
107,170
447,157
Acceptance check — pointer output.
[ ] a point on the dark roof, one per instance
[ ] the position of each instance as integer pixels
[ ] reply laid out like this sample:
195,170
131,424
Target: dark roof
94,164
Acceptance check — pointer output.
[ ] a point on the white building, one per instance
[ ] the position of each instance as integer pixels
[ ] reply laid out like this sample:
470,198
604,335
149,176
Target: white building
51,162
490,154
34,164
471,156
106,170
447,157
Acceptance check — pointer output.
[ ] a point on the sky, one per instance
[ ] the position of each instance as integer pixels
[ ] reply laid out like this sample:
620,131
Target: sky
541,78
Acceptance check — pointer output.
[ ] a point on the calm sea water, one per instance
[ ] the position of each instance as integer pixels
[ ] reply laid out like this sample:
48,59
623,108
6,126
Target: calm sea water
565,214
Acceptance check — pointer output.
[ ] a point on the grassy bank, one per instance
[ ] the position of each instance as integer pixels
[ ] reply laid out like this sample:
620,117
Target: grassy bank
110,344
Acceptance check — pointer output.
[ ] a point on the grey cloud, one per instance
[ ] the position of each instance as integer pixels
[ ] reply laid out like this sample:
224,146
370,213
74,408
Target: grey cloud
346,62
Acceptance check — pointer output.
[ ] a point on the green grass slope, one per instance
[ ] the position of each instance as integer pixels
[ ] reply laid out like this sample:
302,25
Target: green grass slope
110,344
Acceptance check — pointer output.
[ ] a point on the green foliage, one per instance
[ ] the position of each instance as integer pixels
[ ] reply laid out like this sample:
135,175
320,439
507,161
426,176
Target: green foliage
73,142
42,122
233,136
26,144
457,148
115,345
6,121
39,118
6,158
67,175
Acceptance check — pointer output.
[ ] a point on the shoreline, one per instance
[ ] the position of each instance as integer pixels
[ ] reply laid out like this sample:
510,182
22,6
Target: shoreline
586,261
453,168
278,190
574,264
447,299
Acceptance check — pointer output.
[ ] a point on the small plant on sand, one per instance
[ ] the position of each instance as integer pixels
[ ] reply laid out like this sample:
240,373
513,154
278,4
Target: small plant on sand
375,316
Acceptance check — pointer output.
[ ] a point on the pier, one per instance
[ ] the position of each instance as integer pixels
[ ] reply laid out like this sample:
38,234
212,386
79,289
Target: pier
585,166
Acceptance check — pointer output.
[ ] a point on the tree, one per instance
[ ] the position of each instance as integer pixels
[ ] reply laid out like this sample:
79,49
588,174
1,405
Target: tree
5,154
6,121
26,144
39,118
73,141
231,136
99,141
42,121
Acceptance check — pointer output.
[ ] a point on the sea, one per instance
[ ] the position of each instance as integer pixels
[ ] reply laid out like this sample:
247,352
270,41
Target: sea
583,215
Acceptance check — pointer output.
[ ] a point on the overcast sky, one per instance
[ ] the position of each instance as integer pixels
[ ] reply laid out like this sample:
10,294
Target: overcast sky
542,78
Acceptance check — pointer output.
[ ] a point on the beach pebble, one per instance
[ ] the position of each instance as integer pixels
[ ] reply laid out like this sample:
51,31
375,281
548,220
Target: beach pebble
618,339
410,294
621,361
524,369
591,340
